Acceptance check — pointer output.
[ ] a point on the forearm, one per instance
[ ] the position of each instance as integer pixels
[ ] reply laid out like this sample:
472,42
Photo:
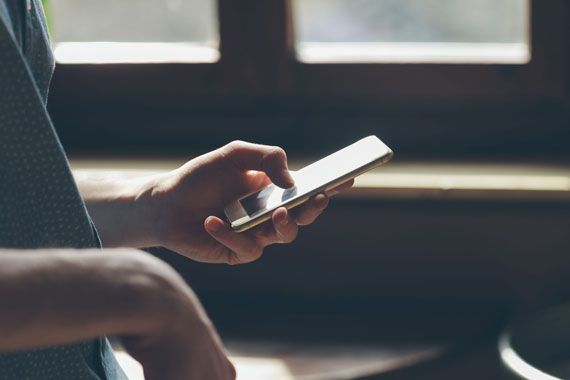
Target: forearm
58,296
119,206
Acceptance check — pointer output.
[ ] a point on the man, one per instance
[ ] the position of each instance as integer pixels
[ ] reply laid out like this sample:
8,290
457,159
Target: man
59,294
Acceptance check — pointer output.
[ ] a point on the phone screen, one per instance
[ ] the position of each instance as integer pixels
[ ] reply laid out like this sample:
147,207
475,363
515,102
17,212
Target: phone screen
315,176
267,199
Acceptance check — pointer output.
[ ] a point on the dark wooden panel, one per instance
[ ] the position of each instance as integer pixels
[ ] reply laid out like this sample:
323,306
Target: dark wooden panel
419,250
256,47
519,134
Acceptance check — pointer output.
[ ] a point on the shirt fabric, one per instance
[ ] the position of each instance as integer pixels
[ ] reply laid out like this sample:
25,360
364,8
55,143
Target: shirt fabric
40,205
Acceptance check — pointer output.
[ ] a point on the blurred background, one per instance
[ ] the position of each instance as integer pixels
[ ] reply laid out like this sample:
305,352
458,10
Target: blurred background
317,20
415,272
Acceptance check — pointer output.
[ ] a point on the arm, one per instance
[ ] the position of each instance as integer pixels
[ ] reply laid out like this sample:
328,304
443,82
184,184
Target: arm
119,204
61,296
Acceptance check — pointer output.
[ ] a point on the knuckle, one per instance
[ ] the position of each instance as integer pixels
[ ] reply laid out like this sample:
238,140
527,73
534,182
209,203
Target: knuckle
289,235
293,235
232,258
236,145
304,217
255,254
313,218
278,153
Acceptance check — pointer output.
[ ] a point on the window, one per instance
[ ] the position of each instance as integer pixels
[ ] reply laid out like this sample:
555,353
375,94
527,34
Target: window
431,31
195,73
111,31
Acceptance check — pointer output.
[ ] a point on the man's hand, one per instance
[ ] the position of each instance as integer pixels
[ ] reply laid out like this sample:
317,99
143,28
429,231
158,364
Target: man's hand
180,209
188,200
180,342
53,297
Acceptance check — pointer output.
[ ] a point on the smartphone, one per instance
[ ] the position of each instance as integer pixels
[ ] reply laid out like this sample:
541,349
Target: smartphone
318,177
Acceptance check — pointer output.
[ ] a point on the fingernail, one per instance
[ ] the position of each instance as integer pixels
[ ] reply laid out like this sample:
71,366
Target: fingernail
321,199
284,220
290,180
213,226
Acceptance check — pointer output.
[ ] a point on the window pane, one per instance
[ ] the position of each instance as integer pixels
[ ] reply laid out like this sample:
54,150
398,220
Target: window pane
123,30
423,26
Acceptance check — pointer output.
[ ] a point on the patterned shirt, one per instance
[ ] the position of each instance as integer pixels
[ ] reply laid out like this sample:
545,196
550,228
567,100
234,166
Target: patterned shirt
40,205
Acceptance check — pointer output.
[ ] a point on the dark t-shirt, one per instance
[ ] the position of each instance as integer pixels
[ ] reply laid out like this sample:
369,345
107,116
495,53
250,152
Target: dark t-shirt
40,206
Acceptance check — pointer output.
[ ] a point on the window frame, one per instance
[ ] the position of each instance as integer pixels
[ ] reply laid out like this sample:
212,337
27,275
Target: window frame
258,80
467,81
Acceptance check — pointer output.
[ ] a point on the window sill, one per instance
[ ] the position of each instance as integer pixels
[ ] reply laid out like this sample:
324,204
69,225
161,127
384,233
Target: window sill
492,182
414,52
134,52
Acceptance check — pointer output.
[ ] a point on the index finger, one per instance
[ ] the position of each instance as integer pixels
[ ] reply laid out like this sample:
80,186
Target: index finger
271,160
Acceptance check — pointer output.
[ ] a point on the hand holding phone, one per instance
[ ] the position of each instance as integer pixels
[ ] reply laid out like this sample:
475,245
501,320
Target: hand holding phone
318,177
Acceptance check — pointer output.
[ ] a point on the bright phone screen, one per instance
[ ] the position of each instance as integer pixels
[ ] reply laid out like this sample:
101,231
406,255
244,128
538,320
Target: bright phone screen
317,175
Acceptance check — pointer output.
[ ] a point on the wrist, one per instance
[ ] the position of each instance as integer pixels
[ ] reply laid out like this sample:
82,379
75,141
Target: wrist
124,210
142,195
159,299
